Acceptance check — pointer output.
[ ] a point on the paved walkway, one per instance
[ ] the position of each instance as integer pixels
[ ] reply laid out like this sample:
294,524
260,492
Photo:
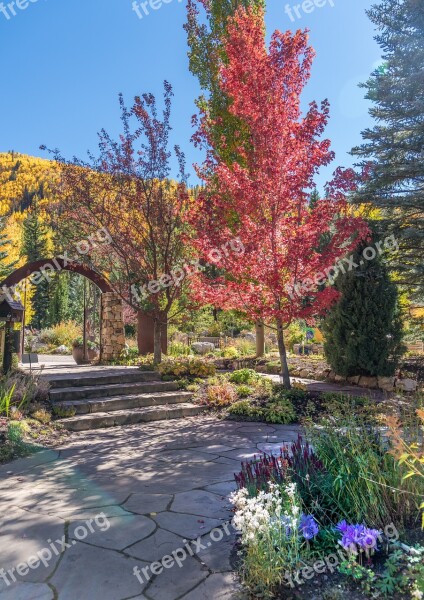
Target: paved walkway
114,500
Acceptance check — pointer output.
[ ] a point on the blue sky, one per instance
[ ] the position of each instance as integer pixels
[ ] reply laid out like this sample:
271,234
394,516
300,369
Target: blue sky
65,61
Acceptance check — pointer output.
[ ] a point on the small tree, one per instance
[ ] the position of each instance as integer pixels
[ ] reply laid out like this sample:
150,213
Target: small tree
127,191
261,198
363,330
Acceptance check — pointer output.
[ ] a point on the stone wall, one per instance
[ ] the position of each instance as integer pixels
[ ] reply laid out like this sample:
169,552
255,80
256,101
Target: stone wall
112,330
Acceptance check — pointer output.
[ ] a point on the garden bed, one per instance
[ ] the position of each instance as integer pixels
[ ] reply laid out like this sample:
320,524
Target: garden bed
26,436
25,419
336,517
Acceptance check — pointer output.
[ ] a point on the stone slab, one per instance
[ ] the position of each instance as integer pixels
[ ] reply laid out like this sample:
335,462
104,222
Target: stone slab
203,503
187,526
90,573
221,586
116,533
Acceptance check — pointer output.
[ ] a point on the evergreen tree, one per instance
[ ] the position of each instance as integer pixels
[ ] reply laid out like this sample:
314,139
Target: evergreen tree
314,198
35,247
363,330
6,267
75,298
392,153
58,309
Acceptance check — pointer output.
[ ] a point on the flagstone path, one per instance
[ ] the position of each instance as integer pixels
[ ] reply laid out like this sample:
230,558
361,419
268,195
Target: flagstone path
81,522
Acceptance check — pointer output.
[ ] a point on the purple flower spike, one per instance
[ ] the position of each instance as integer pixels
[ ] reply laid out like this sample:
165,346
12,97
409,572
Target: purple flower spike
308,527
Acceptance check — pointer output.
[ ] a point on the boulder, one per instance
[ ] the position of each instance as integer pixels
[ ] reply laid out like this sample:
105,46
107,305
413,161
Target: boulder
354,380
406,385
304,373
203,347
386,383
250,336
368,382
62,350
339,379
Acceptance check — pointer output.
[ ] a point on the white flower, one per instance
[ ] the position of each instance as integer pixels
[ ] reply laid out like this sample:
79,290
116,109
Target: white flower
291,490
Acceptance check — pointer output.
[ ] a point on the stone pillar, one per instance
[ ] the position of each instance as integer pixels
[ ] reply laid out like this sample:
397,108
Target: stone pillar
112,327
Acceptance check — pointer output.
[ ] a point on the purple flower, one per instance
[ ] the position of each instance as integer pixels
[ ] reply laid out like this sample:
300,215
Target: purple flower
358,536
342,526
308,526
369,538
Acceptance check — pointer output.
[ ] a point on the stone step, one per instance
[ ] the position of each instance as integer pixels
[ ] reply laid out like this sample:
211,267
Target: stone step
101,377
130,416
124,402
86,392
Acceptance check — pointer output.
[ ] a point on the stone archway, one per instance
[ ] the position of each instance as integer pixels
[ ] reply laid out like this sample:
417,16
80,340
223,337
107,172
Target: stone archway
112,333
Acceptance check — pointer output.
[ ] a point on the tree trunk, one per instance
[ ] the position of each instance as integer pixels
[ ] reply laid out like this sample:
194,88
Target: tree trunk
260,338
283,355
157,341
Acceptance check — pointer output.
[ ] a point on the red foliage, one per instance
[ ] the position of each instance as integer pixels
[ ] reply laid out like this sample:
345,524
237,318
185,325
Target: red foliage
263,197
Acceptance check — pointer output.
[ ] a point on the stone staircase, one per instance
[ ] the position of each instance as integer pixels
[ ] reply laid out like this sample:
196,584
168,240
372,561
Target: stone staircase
109,398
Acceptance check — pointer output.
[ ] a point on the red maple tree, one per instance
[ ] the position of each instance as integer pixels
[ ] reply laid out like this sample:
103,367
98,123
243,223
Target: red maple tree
263,198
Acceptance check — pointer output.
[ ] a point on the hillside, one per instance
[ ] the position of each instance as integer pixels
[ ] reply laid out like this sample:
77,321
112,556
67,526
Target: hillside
21,178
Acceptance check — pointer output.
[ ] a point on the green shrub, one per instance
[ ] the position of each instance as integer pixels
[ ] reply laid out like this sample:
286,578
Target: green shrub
178,349
42,415
146,362
280,411
63,412
78,342
16,430
244,376
295,334
262,389
244,391
131,357
190,367
61,335
245,347
230,352
243,408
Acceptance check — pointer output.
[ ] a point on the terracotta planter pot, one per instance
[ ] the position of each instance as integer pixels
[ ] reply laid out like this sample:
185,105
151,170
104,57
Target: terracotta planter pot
78,354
